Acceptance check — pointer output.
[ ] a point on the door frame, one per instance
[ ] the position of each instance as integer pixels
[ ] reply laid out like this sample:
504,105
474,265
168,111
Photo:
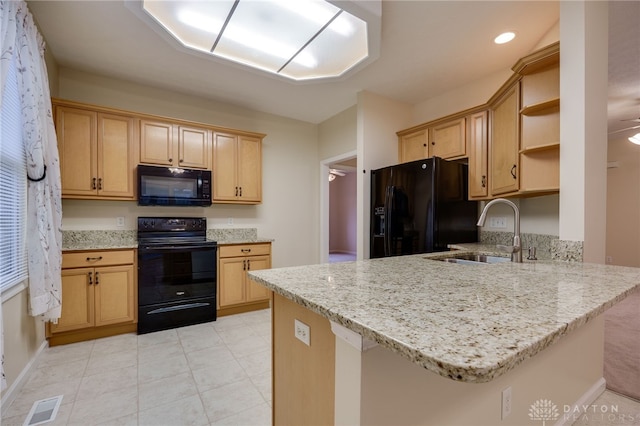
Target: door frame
324,200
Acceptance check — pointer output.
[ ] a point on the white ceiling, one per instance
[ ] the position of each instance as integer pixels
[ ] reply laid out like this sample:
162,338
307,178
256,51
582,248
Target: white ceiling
427,48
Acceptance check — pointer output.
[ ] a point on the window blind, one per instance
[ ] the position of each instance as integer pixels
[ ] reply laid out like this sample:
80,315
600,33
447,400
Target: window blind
13,187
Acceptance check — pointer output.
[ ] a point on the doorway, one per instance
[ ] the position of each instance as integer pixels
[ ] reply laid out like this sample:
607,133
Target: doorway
339,208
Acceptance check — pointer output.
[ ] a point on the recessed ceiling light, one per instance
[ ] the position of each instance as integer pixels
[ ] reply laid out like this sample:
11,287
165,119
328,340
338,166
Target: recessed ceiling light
635,139
301,40
504,37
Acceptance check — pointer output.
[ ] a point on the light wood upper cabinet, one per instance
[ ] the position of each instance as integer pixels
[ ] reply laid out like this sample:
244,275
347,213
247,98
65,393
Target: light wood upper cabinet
237,168
478,155
168,144
413,146
97,153
448,139
504,142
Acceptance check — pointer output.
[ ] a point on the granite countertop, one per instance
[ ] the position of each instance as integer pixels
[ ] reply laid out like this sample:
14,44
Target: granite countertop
470,323
128,239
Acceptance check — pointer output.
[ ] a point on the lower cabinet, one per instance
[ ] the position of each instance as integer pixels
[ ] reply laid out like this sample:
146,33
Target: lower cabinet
99,296
236,292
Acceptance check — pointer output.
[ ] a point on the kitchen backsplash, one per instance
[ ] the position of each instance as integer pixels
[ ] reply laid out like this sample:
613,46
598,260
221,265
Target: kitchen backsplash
548,247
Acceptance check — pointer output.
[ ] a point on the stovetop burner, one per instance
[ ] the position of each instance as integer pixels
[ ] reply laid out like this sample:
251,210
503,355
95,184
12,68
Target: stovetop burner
172,231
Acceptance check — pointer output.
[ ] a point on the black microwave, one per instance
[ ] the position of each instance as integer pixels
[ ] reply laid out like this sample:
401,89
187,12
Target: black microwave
172,186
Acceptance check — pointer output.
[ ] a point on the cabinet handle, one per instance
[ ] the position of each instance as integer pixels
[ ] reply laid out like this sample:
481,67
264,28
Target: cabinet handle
484,181
90,276
241,191
97,278
424,144
433,143
244,265
171,160
248,265
99,183
93,183
91,259
236,191
513,171
245,250
181,160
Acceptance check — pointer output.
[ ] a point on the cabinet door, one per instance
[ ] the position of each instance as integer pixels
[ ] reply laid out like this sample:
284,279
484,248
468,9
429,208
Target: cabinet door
448,139
76,131
194,147
250,169
156,143
231,288
478,155
114,295
257,292
116,163
77,300
225,187
414,146
504,143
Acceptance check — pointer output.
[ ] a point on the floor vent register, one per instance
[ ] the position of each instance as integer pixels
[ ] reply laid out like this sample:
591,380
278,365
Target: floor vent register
43,411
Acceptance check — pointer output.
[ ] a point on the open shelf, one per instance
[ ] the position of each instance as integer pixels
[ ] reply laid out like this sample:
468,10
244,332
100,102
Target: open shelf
538,148
541,107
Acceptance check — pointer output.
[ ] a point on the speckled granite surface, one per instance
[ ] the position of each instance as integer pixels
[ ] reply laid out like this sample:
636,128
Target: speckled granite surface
98,240
104,240
470,323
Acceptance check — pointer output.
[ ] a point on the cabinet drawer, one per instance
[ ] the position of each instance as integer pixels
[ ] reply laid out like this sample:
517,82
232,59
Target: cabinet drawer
244,250
97,258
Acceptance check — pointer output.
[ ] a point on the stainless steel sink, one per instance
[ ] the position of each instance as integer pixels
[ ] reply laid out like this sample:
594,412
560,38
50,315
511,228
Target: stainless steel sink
473,259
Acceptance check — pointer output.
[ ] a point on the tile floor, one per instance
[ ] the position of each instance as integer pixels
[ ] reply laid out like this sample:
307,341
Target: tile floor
217,373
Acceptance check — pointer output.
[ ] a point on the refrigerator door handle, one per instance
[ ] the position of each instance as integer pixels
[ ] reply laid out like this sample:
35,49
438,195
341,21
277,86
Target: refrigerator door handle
388,208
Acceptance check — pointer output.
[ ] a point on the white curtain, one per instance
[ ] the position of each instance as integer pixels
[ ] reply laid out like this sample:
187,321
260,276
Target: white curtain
21,41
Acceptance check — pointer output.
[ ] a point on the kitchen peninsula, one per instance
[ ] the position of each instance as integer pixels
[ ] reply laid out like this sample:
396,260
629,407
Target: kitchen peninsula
422,341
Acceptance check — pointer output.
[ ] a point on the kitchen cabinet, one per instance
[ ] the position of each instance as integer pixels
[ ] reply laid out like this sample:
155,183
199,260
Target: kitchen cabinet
164,143
236,292
444,138
97,157
237,168
413,146
448,139
478,155
540,121
99,296
503,143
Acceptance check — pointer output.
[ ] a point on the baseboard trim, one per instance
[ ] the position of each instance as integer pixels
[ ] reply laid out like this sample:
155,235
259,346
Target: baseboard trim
587,399
17,385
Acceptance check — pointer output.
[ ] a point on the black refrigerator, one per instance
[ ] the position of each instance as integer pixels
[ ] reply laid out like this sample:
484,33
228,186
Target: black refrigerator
420,207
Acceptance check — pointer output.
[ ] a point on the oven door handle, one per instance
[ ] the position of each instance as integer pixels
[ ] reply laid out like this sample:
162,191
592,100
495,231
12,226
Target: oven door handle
150,249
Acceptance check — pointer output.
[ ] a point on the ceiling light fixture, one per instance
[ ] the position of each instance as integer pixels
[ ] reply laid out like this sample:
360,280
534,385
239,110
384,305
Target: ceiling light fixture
301,40
635,139
505,37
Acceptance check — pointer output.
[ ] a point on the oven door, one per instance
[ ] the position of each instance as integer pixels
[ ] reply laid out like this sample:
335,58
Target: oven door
175,274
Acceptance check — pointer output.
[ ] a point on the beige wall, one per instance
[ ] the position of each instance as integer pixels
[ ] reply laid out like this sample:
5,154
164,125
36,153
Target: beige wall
623,203
338,134
23,337
289,212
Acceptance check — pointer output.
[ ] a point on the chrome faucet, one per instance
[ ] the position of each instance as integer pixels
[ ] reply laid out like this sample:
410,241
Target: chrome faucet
516,248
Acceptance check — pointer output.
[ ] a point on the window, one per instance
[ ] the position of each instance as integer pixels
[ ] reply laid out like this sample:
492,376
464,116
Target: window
13,187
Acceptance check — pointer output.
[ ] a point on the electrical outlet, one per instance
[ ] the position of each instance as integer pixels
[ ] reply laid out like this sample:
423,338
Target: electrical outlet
302,332
120,221
506,402
498,222
609,260
230,221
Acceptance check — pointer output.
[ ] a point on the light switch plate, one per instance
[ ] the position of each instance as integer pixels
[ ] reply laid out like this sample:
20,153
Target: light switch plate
120,221
498,222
